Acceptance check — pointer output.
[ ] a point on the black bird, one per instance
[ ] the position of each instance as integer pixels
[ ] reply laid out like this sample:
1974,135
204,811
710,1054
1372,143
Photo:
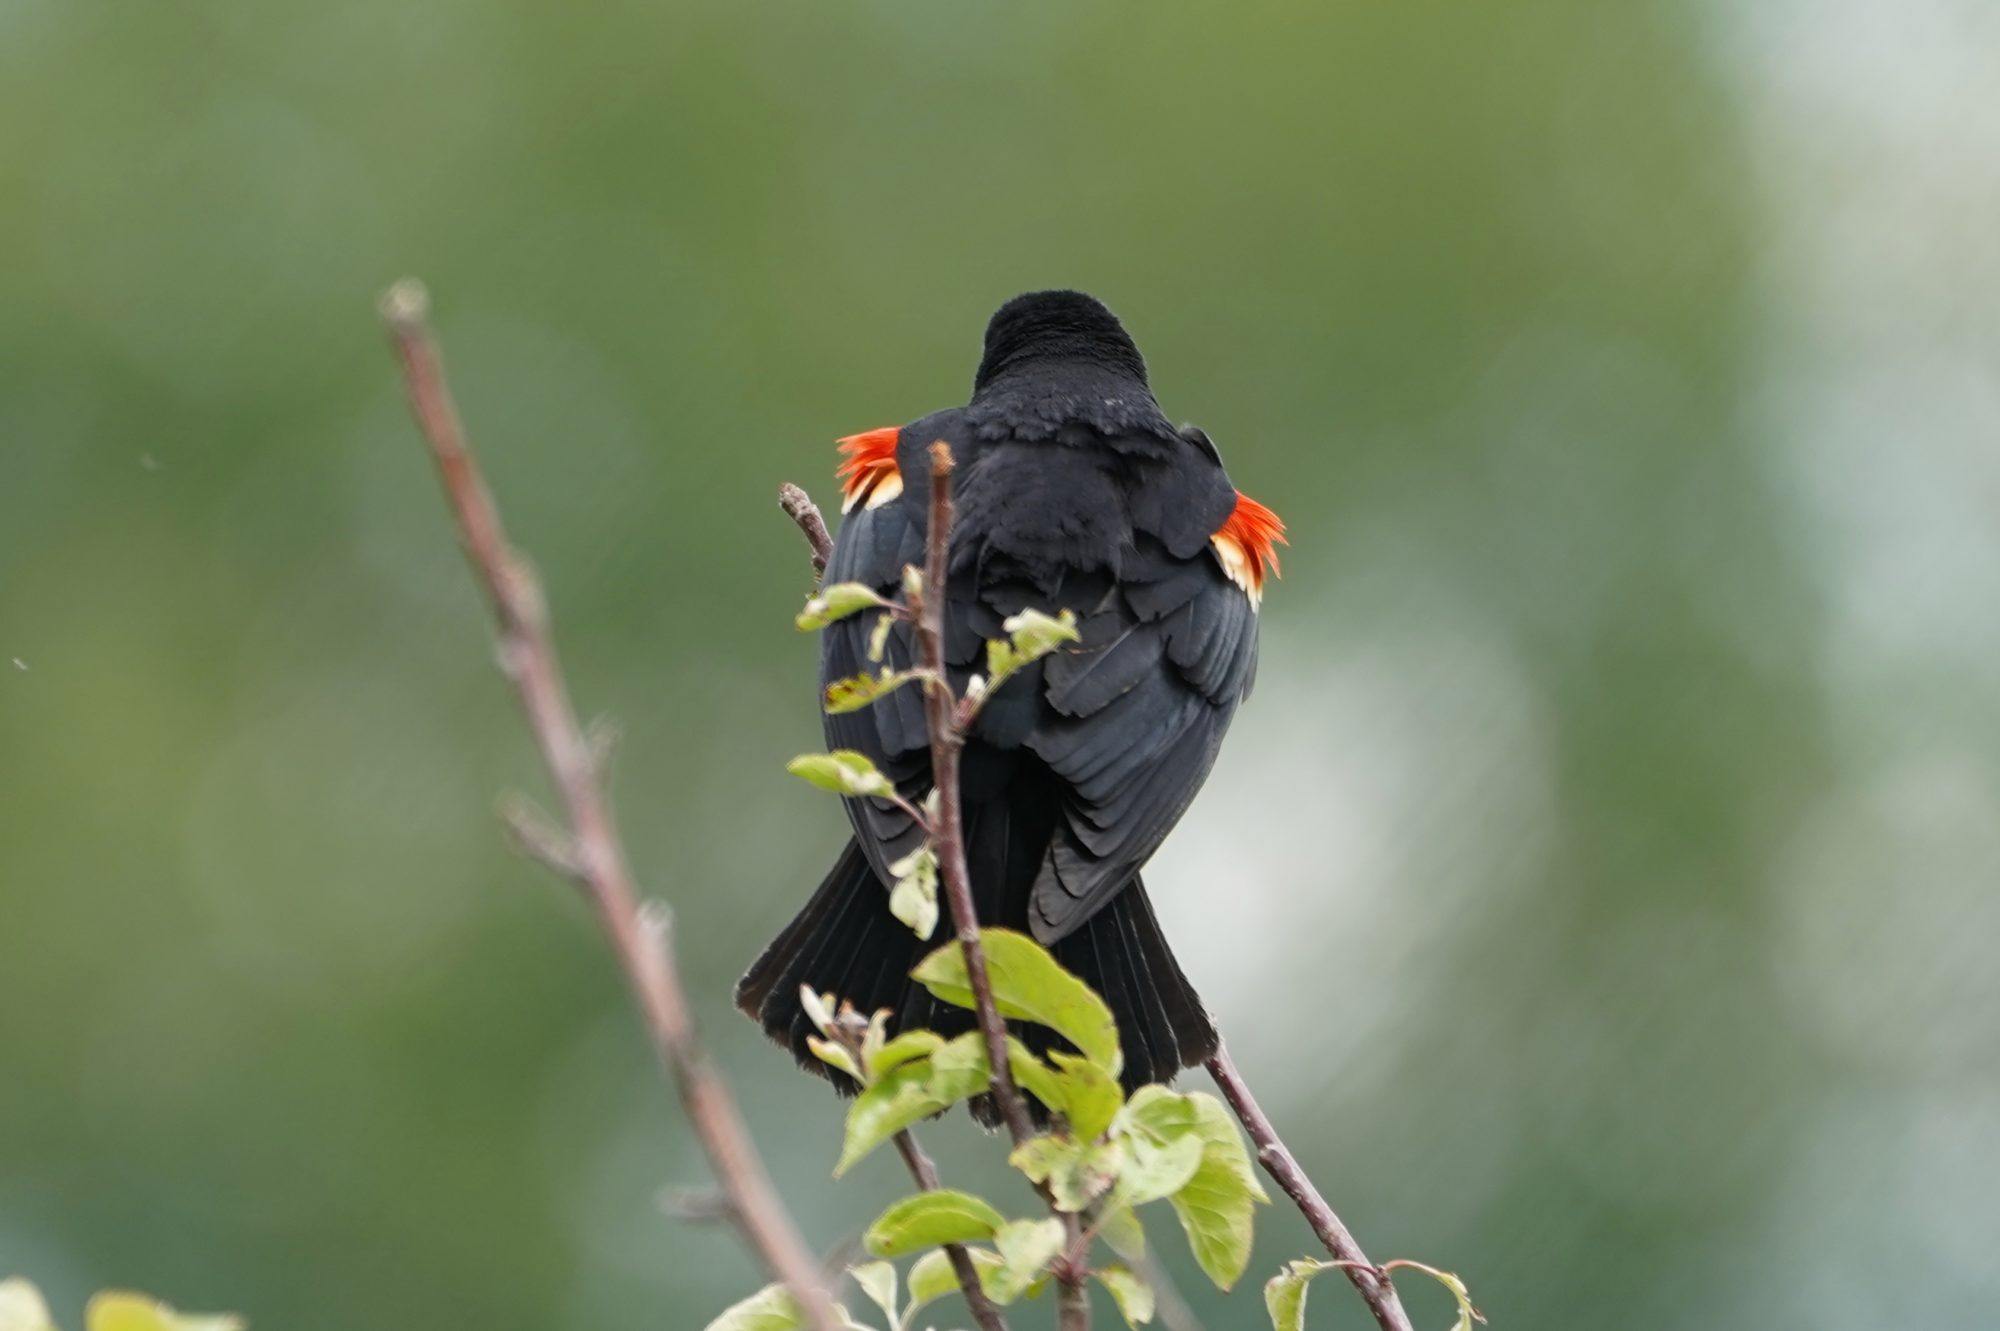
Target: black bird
1073,491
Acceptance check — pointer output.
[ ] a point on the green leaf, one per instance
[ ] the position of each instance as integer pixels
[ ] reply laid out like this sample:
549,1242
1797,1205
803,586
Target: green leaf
22,1308
1133,1295
1026,1248
859,691
1031,636
1467,1314
818,1008
958,1067
1163,1116
933,1277
1091,1096
1217,1202
930,1220
1216,1211
1118,1225
912,1090
1223,1141
875,1037
769,1309
878,637
1285,1294
836,602
895,1101
115,1310
1028,985
914,897
878,1282
834,1056
1034,1076
1153,1171
844,772
1036,634
1075,1173
904,1048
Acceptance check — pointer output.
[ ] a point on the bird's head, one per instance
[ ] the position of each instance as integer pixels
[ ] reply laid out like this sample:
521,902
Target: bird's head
1047,328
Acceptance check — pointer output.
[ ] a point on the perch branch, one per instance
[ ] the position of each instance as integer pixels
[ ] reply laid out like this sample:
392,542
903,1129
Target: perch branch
799,507
594,855
1283,1167
947,742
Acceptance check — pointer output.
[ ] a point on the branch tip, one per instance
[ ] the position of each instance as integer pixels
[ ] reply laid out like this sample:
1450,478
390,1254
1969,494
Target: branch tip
406,306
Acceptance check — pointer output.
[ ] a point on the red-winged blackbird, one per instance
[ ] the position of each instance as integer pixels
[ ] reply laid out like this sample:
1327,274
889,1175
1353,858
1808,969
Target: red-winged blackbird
1073,491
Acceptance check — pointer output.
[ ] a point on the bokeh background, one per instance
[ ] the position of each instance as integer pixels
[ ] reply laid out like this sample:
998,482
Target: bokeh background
1611,853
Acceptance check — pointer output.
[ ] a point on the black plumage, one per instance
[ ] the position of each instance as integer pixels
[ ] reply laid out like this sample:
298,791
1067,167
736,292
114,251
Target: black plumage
1072,491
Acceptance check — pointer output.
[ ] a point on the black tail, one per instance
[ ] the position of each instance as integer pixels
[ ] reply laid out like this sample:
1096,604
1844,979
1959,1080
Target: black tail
845,941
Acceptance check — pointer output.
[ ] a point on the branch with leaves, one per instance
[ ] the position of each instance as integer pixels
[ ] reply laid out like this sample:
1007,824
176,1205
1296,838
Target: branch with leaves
586,849
1058,1165
1105,1155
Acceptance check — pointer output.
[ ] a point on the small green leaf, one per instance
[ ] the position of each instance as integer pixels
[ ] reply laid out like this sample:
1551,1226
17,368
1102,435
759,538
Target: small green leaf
1036,634
876,1036
930,1220
895,1101
836,602
1467,1314
844,772
905,1047
22,1308
1031,636
115,1310
914,897
1026,1248
1028,985
878,637
1034,1076
1091,1096
1038,1157
1118,1225
818,1008
878,1282
769,1309
933,1277
1132,1294
1285,1293
958,1067
834,1056
1075,1173
859,691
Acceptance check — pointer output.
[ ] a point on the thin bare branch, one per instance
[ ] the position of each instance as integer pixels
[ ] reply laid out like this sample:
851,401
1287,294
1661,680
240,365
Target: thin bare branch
1283,1168
800,508
637,937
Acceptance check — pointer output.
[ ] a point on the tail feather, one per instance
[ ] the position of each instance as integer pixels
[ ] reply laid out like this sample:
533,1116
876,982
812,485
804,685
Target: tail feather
846,942
1122,954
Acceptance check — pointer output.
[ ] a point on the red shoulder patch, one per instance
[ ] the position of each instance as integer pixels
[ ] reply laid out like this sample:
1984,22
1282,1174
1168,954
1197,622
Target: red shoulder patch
868,473
1248,544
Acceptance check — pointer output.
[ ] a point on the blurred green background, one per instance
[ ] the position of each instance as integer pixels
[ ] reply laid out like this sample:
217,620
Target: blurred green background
1617,820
